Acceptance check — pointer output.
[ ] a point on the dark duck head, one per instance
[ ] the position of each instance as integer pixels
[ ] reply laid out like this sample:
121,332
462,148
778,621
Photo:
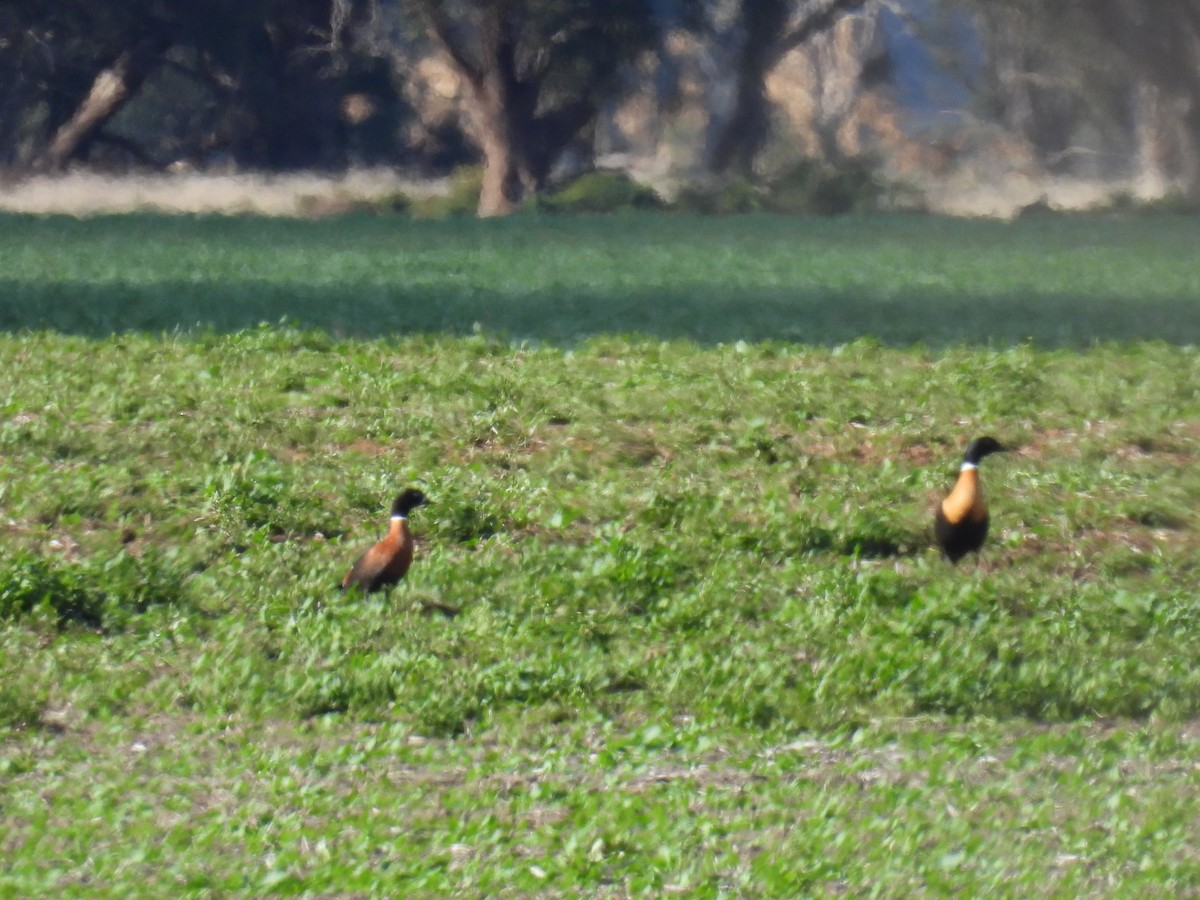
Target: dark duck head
406,501
981,447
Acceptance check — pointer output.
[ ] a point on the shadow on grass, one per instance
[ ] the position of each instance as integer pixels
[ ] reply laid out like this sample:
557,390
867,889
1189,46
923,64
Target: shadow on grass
705,316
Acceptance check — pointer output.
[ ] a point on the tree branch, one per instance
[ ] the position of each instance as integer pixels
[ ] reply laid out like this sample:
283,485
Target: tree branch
441,30
557,128
817,22
112,88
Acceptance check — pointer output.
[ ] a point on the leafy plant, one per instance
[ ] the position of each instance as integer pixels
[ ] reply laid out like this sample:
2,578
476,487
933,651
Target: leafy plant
600,192
674,625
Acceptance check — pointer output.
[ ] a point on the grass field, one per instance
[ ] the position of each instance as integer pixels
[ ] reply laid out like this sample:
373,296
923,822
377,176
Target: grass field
901,279
675,625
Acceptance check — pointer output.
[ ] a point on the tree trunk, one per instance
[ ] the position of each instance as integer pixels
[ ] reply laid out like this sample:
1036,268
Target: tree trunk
746,129
110,91
505,110
766,39
519,136
507,175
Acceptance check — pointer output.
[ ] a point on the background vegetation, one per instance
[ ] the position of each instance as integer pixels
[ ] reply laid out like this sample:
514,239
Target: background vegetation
902,280
675,625
685,93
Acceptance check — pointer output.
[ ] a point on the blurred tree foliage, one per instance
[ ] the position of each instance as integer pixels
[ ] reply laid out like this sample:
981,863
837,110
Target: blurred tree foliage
536,73
288,84
1058,73
250,80
321,83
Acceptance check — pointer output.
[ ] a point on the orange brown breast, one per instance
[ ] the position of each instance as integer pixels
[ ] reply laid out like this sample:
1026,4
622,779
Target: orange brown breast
960,523
385,563
965,503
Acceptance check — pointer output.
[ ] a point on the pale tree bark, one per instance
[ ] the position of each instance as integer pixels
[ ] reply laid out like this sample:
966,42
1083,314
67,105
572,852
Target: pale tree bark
494,99
112,88
1166,142
500,111
1129,67
1162,44
520,126
770,30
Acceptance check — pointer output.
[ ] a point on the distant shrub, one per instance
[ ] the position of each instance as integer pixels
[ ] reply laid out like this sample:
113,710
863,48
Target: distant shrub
730,198
461,197
820,188
811,187
1036,209
393,202
600,192
314,206
1169,204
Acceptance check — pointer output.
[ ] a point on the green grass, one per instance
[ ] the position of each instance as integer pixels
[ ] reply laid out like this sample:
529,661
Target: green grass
902,279
674,626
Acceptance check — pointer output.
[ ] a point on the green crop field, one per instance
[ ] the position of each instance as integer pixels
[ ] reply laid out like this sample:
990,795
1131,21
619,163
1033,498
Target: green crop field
675,626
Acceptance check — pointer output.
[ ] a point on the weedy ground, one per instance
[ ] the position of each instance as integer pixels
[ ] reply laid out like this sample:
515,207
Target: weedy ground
675,625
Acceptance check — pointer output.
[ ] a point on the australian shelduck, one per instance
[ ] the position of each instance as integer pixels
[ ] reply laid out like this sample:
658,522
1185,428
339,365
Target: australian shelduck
388,561
961,521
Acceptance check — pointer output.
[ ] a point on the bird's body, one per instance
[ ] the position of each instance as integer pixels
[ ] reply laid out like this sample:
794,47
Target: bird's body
387,562
960,522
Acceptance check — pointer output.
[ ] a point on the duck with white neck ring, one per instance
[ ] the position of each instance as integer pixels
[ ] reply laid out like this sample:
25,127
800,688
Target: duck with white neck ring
387,562
960,522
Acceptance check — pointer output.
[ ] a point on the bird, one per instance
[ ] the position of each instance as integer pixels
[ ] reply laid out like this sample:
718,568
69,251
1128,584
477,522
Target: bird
387,562
960,522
